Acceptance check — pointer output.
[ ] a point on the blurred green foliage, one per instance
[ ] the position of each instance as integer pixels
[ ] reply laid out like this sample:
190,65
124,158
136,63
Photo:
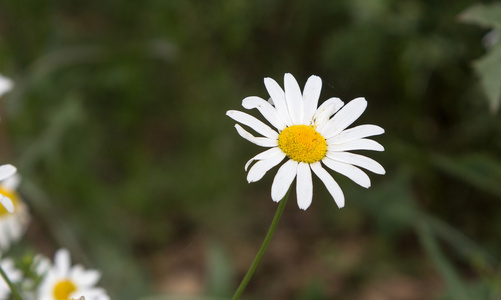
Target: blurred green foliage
117,125
487,67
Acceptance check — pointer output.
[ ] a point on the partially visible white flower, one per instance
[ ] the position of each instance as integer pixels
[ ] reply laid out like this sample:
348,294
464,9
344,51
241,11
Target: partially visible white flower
62,281
6,171
6,85
12,273
310,137
12,224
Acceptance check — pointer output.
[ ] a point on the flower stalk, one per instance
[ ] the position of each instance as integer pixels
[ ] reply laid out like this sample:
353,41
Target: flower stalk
261,251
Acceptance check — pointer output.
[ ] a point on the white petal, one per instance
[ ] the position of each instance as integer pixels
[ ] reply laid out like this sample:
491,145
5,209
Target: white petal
11,183
260,141
266,109
6,171
278,96
253,123
304,186
294,99
325,111
62,262
330,183
356,133
85,278
361,144
352,172
344,117
7,203
283,180
263,155
6,85
311,93
76,273
357,160
261,167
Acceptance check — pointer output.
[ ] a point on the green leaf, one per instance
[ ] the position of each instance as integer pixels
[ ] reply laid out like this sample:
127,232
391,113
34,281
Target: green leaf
488,69
220,272
391,203
450,275
481,171
483,15
467,248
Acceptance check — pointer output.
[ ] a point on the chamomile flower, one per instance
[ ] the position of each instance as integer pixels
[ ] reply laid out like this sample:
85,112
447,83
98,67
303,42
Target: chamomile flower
310,137
13,223
6,171
12,273
62,281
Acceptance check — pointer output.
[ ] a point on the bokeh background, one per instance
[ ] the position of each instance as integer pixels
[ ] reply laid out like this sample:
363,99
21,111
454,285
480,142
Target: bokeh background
117,125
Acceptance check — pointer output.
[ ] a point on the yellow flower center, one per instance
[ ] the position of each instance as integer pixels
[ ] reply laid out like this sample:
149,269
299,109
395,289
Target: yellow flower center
302,143
63,289
13,196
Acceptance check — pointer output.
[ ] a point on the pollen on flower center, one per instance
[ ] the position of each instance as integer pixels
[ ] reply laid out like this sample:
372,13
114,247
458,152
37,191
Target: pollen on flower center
302,143
13,196
63,289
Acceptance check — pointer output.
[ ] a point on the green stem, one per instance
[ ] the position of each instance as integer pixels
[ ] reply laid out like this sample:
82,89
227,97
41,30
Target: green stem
261,251
11,285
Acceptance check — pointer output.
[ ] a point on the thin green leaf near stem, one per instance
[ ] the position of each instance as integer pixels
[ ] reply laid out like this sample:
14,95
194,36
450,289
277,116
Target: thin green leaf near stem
261,251
451,277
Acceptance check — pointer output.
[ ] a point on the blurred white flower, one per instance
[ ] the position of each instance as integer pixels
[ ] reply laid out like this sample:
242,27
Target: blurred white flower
6,171
62,281
13,224
6,85
12,273
310,137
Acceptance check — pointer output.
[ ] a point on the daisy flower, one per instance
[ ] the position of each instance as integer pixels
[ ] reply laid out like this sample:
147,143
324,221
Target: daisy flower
5,85
13,223
63,282
6,171
12,273
310,137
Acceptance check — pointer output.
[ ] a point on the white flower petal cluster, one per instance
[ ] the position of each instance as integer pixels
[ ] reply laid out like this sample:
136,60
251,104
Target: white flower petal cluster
6,171
311,137
62,280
